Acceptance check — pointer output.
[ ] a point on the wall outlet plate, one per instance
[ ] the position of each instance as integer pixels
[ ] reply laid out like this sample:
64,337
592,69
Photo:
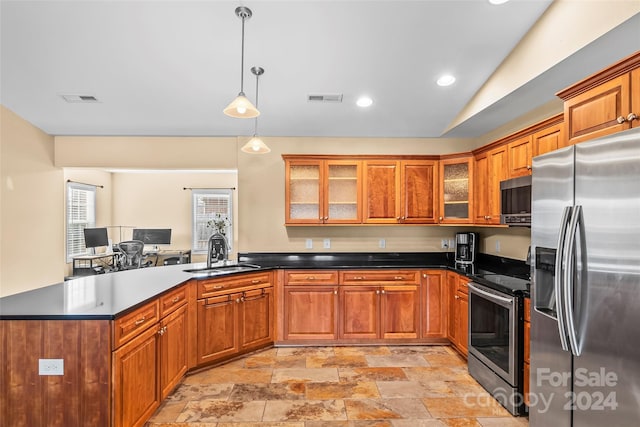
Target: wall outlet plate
382,243
308,243
326,243
50,366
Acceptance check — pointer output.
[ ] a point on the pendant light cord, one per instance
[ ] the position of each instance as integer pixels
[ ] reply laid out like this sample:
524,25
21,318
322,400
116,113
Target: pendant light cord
242,60
255,126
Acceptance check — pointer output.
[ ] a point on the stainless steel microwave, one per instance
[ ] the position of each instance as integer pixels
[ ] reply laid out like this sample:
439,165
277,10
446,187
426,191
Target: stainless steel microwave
515,201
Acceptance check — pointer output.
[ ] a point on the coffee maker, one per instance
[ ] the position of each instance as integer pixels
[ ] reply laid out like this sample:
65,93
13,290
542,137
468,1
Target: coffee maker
466,247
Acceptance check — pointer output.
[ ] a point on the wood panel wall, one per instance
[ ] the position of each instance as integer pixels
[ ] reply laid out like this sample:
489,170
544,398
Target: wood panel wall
80,397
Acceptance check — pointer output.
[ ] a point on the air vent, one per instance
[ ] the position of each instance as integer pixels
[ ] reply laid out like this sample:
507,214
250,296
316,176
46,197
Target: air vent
79,98
327,97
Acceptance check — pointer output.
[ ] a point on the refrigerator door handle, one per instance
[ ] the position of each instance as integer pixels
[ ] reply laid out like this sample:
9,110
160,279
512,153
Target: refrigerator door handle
569,282
558,276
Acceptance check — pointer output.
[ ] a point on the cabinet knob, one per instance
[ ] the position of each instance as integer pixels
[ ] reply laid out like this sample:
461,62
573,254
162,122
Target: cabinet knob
457,297
440,218
378,292
238,300
621,119
335,292
632,116
382,292
528,167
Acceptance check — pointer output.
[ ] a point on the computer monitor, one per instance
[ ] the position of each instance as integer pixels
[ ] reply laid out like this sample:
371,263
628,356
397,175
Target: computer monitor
95,237
153,236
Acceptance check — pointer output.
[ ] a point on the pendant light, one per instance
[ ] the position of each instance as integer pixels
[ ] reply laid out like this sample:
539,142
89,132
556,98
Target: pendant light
255,145
241,107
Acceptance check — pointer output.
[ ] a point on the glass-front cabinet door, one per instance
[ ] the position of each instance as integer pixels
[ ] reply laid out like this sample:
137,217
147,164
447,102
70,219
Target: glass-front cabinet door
304,191
323,191
456,190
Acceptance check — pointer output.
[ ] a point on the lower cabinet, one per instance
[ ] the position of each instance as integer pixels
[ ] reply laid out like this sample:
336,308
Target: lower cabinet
235,315
434,303
173,350
458,316
311,312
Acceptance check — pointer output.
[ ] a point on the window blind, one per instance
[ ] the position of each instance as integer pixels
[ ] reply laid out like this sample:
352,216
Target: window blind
205,205
81,214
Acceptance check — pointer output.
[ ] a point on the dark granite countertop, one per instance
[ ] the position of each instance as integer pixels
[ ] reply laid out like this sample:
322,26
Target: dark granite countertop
107,296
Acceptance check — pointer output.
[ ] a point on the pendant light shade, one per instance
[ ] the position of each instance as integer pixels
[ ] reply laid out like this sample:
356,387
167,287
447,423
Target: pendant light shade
241,107
255,145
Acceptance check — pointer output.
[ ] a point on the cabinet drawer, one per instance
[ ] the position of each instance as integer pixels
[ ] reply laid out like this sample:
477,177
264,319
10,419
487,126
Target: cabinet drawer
173,300
400,277
463,285
130,325
311,277
211,287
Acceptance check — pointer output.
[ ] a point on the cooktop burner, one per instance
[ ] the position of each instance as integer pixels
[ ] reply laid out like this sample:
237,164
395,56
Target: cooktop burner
507,284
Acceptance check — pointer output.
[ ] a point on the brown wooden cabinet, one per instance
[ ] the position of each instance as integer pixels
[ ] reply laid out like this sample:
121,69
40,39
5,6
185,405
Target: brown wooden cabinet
456,190
400,191
490,169
452,288
235,315
519,156
434,304
310,305
320,191
360,306
458,301
548,139
605,103
173,350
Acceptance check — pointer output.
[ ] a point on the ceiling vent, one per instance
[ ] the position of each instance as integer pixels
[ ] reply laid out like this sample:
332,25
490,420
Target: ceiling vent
79,98
327,97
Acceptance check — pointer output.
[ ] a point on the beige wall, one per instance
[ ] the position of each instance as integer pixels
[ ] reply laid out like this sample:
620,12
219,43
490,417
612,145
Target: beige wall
31,207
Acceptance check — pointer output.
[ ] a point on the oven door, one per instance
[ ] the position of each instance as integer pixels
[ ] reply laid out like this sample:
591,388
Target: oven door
493,330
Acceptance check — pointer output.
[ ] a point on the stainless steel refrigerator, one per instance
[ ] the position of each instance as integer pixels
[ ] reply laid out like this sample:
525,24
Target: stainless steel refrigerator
585,317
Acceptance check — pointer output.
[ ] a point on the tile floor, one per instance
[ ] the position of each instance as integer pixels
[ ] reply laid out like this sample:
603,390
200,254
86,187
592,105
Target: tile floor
384,386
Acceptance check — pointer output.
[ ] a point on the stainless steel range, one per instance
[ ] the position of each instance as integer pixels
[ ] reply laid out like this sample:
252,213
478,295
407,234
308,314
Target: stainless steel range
496,337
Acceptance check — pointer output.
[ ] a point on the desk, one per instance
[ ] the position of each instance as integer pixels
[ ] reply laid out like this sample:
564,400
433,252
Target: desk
84,265
183,254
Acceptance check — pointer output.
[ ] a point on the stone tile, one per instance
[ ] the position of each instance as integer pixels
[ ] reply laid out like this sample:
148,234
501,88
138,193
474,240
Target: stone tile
168,412
504,422
448,360
455,407
397,360
305,351
356,423
270,391
362,351
412,349
376,409
154,424
230,375
418,423
262,424
305,375
342,390
441,373
464,388
394,389
217,410
270,361
200,391
371,374
292,410
461,422
336,361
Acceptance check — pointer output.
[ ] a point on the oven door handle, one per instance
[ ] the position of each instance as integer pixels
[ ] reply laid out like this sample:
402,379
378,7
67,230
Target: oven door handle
504,301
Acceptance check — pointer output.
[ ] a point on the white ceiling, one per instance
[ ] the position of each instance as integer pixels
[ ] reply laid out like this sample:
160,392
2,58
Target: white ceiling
170,67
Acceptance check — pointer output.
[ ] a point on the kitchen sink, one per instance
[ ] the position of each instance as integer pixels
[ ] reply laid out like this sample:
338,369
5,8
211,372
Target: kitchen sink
222,269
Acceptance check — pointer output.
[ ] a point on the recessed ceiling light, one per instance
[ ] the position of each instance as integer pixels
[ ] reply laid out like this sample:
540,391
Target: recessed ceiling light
498,1
364,101
446,80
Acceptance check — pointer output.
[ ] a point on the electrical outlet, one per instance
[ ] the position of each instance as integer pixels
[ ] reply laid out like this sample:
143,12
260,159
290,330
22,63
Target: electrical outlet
444,243
497,246
326,243
50,366
308,244
382,243
450,243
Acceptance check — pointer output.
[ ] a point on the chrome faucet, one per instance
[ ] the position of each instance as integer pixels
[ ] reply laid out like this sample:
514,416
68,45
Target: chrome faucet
217,249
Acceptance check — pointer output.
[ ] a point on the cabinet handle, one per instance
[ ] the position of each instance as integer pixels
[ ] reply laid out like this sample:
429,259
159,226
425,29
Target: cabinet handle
398,277
218,287
358,277
140,321
255,281
161,331
621,119
310,278
632,116
175,300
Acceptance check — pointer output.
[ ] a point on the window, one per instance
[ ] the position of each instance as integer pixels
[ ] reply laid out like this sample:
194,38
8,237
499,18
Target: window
81,214
205,205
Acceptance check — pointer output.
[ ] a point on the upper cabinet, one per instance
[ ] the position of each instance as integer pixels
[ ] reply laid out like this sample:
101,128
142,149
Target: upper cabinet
456,189
319,191
400,191
491,167
548,139
520,156
605,103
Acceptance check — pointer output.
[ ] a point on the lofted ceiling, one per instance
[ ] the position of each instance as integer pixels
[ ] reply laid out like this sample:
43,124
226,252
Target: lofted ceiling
170,67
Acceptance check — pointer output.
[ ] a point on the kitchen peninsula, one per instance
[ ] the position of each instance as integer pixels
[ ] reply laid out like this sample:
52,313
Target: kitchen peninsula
137,333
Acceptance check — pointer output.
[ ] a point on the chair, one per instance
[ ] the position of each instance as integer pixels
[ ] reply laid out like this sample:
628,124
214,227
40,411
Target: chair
131,254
